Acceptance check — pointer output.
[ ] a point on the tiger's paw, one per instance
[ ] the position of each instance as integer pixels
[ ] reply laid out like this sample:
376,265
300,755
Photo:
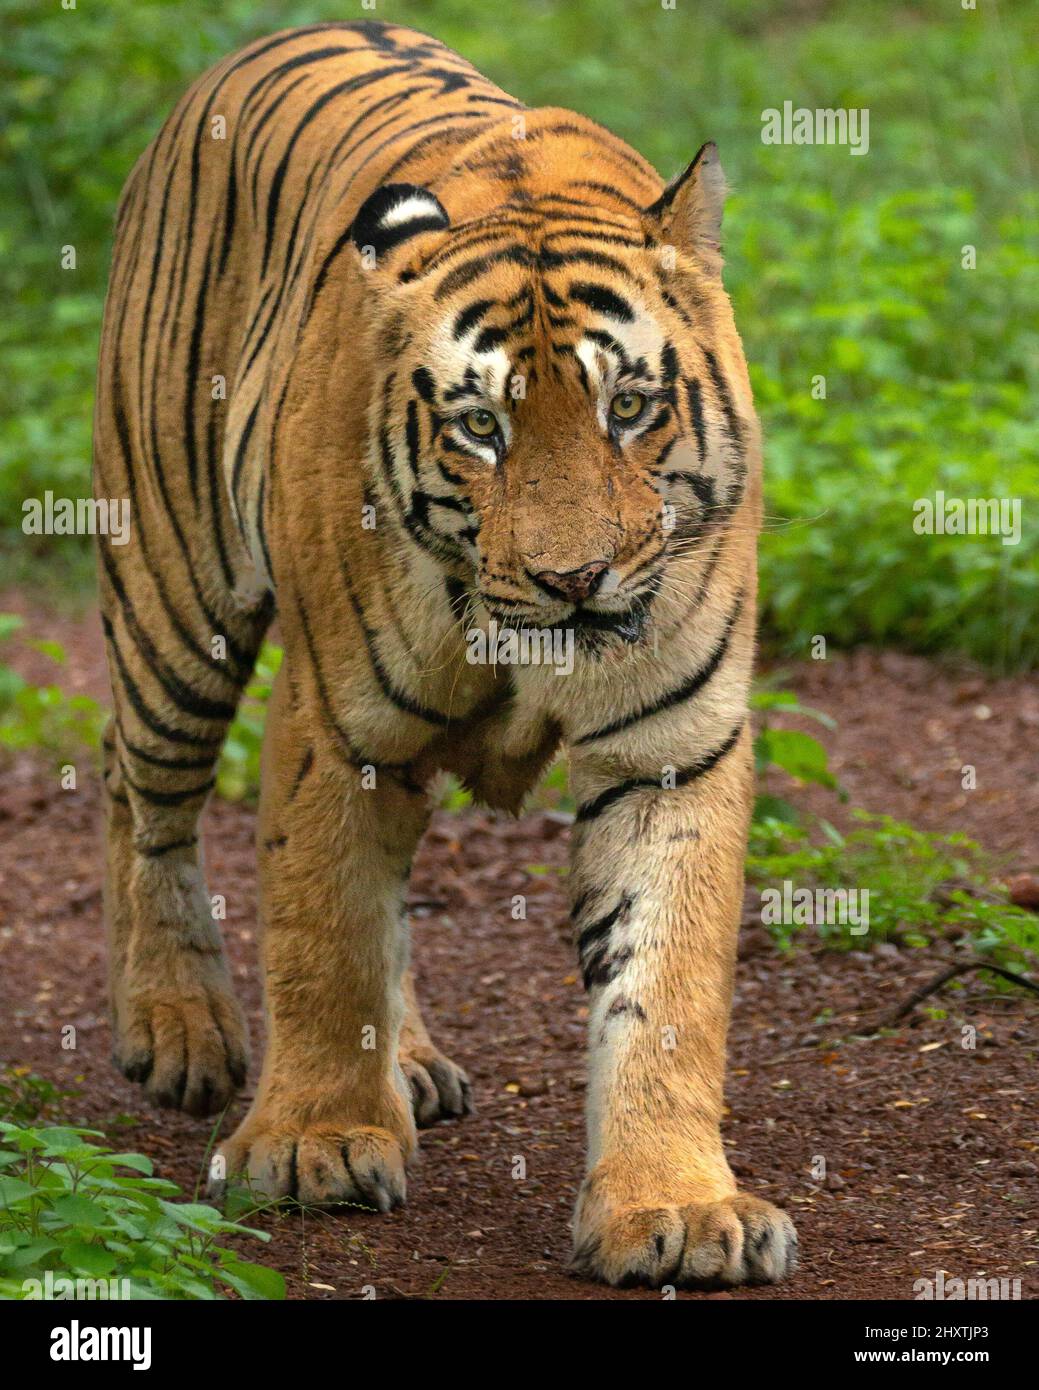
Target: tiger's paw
319,1165
440,1089
703,1245
188,1049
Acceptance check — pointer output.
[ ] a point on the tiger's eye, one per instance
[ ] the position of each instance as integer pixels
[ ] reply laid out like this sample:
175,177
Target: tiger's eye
628,405
482,423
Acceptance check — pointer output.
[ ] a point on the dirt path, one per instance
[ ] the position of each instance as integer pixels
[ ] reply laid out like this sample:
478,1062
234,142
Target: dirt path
931,1150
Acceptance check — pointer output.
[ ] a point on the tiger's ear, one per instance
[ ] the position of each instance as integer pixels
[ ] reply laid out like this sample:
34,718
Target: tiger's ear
689,211
393,214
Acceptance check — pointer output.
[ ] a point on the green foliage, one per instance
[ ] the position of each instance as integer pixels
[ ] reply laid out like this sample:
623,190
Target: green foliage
238,772
25,1097
43,716
922,888
840,266
787,750
82,1211
921,397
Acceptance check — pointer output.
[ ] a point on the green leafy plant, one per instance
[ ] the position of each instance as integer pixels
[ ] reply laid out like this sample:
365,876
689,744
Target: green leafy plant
238,772
71,1208
25,1097
788,750
43,716
923,888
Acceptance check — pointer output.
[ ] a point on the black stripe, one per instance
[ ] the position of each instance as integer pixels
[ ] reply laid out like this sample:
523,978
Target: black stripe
434,543
175,764
593,945
470,317
265,84
214,476
159,798
192,372
582,901
724,396
449,476
422,380
398,772
555,260
241,659
597,930
421,502
671,302
605,967
184,696
137,701
463,240
586,234
591,809
602,300
351,84
397,697
659,420
495,101
154,851
455,135
304,769
411,435
457,596
664,455
700,484
345,239
490,338
695,396
608,189
239,461
469,271
688,688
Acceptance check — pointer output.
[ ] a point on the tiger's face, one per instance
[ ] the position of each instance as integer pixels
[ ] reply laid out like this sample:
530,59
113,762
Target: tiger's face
564,410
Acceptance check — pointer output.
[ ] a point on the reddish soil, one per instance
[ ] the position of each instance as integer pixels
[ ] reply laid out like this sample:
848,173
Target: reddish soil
931,1150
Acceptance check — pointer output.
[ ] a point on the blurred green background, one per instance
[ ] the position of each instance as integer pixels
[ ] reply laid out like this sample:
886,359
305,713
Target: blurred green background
841,266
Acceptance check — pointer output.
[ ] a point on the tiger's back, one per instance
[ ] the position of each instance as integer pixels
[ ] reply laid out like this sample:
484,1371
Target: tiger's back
223,220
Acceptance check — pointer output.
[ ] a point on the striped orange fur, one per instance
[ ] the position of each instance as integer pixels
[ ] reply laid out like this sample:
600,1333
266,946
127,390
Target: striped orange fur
394,355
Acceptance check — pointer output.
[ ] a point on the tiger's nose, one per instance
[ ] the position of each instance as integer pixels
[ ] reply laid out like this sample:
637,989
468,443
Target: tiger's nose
575,585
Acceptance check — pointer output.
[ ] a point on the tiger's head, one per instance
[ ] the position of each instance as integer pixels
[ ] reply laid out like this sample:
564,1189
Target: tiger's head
562,411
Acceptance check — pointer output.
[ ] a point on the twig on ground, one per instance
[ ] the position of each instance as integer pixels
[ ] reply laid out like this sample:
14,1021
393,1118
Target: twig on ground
942,978
863,1025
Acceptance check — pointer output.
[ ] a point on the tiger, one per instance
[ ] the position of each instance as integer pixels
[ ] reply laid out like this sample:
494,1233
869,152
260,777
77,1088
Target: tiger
396,358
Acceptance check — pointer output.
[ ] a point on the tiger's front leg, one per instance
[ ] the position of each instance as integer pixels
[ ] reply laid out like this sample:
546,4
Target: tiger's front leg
658,881
332,1119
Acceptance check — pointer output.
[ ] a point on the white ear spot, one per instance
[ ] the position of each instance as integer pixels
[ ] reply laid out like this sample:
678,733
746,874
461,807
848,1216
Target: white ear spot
411,209
394,213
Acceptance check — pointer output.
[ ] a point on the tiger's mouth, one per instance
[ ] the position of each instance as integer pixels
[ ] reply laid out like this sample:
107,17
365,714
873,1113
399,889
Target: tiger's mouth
595,625
628,624
591,627
591,623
